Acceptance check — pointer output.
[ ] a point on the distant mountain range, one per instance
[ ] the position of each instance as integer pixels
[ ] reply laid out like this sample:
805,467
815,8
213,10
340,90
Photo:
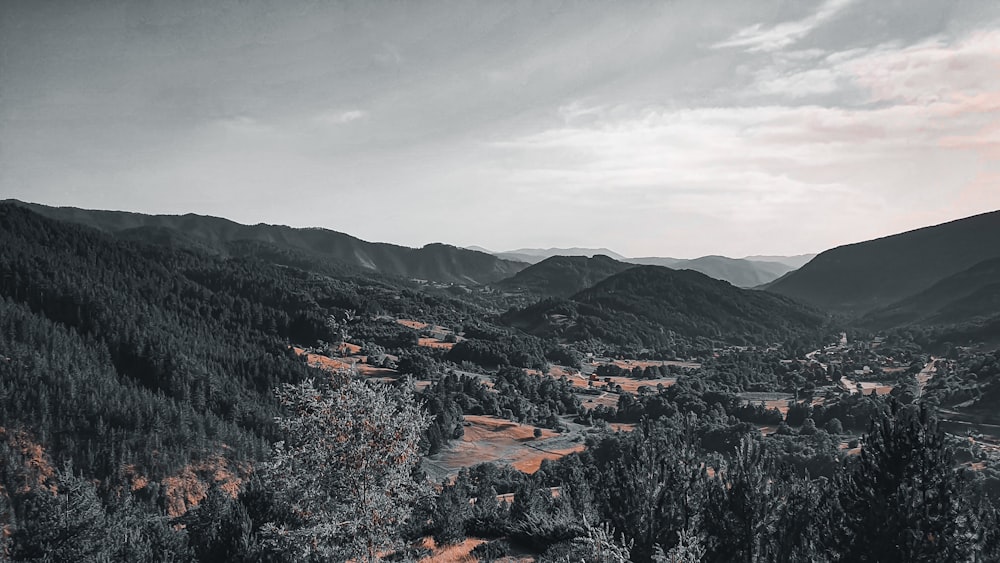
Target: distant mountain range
793,262
947,274
891,274
434,262
741,272
536,255
737,271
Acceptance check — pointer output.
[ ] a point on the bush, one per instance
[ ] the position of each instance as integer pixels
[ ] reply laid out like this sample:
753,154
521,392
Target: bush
491,550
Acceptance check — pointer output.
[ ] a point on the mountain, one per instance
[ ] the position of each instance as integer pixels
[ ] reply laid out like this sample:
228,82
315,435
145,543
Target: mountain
656,261
562,276
656,307
739,272
535,255
858,278
793,262
435,262
968,295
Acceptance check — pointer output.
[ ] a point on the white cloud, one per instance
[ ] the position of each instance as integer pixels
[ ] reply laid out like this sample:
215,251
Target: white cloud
757,37
341,117
924,141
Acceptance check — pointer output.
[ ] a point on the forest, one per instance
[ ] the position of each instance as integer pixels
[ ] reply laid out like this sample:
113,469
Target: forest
153,407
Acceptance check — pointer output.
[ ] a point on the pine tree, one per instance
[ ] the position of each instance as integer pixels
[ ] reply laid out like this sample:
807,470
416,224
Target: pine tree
903,500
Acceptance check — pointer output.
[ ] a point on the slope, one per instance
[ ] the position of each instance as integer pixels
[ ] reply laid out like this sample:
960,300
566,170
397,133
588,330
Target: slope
858,278
965,296
435,262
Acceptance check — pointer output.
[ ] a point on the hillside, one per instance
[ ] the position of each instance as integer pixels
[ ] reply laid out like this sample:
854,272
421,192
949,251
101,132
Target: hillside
859,278
737,271
968,295
562,276
656,307
434,262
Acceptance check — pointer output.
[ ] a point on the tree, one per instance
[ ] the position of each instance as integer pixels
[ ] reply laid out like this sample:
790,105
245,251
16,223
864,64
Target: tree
345,471
64,524
744,506
218,528
451,510
903,499
653,485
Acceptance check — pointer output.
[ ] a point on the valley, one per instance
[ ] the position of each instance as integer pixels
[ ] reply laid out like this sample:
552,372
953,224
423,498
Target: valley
175,363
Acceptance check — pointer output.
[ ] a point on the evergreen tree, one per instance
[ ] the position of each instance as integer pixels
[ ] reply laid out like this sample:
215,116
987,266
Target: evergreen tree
903,500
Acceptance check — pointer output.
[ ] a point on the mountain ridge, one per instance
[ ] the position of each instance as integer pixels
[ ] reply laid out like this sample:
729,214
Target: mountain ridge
437,262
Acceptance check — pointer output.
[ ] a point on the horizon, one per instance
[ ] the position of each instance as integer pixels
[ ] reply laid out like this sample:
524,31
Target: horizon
679,130
478,248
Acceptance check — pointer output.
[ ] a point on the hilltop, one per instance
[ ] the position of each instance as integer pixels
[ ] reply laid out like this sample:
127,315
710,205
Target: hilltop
562,276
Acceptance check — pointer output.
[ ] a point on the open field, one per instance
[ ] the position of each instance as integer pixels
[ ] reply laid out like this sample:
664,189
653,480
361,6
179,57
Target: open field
867,387
632,364
492,439
338,364
628,384
435,343
777,401
415,325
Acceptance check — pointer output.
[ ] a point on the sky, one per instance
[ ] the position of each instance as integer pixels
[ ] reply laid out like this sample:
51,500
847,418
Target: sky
667,128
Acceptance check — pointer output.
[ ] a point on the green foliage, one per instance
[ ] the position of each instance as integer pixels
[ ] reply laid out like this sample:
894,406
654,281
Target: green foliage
344,470
903,499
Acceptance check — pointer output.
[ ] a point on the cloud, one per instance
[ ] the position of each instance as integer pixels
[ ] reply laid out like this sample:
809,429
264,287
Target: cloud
923,131
341,117
757,37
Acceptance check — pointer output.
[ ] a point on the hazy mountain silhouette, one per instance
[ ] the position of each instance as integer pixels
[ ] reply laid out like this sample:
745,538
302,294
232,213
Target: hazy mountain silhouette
737,271
535,255
793,262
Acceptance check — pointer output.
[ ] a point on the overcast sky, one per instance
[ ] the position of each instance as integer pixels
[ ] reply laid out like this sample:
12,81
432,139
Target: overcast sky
651,128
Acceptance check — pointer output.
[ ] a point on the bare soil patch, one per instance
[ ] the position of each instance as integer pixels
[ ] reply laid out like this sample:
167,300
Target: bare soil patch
415,325
435,343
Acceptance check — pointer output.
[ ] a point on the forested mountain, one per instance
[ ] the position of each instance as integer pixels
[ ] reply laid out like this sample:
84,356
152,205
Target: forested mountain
656,307
859,278
106,339
969,295
562,276
435,262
